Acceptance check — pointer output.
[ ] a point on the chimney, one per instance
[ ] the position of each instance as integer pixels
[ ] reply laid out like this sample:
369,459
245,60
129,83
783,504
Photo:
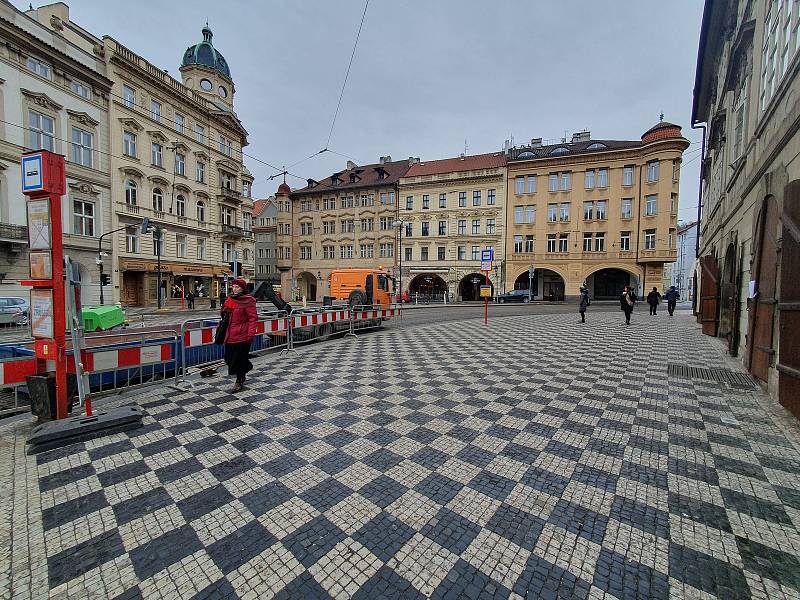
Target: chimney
312,183
351,164
581,136
386,159
461,156
536,143
413,160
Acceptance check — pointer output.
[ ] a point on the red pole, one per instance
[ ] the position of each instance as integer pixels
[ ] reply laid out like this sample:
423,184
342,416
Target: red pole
59,306
486,304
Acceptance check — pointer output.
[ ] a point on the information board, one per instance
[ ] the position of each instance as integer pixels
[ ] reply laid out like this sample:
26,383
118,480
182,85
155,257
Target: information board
39,224
42,313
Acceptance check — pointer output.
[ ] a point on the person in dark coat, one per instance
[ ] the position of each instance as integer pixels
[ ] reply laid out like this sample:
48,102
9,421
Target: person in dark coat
584,302
242,320
626,302
672,297
653,298
189,299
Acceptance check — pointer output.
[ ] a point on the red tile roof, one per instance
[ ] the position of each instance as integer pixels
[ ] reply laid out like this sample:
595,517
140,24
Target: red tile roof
450,165
362,177
258,206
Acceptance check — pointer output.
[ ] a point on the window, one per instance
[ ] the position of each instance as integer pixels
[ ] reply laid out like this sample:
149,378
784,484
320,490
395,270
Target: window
588,210
227,251
132,240
442,227
409,229
155,110
83,213
491,196
42,131
328,252
201,211
601,209
329,226
476,198
228,181
625,241
180,123
462,253
519,214
225,146
673,203
201,172
529,240
476,253
519,185
156,155
650,205
589,179
180,246
531,184
38,67
530,214
440,252
476,226
552,213
671,239
443,200
367,224
600,242
491,224
129,144
462,227
553,184
602,178
158,200
462,199
390,249
390,201
426,201
566,179
649,239
130,192
551,242
128,96
652,171
180,164
627,211
200,134
159,246
81,147
306,228
517,243
81,89
329,203
409,201
408,254
305,253
627,175
423,253
563,242
200,249
180,205
425,228
563,214
587,242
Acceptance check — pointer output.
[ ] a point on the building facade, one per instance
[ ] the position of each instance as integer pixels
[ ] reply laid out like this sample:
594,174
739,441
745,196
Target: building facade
596,212
450,211
346,220
746,101
685,261
54,95
265,230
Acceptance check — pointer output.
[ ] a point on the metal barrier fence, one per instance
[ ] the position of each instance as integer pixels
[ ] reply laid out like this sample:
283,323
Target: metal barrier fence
364,318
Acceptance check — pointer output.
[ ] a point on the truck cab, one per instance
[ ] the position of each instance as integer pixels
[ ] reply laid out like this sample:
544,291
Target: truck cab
361,287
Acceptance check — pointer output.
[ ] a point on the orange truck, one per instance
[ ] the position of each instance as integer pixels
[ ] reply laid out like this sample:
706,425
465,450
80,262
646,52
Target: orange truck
361,287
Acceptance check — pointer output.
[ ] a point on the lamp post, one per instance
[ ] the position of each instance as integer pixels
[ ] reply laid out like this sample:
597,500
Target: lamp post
100,258
399,223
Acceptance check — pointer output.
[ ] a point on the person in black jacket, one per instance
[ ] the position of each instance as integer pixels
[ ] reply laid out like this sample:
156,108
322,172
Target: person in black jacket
626,302
653,298
672,297
584,302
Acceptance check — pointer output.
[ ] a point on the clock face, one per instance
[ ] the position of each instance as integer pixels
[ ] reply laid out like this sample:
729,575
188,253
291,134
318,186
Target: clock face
223,92
206,85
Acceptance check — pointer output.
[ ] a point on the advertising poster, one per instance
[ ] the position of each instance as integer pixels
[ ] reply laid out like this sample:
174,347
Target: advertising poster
42,313
39,224
41,264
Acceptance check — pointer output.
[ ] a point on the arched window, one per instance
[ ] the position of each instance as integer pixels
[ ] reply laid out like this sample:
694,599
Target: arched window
158,200
130,192
559,150
246,254
201,211
180,205
597,146
526,155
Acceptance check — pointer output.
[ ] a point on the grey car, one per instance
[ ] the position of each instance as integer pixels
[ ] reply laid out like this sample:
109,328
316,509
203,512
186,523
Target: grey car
515,296
14,310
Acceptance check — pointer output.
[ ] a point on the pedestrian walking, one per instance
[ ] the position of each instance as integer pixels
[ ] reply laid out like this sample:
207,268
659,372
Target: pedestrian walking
626,302
672,297
584,302
653,298
239,320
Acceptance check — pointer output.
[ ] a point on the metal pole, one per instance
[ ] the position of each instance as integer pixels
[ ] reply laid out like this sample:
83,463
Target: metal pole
158,264
486,303
400,277
100,265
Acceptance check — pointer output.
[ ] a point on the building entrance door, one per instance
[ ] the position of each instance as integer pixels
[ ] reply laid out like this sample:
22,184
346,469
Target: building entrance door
132,288
709,295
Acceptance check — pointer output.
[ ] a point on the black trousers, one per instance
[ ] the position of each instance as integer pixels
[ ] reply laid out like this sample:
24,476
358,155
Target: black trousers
653,308
237,357
628,315
671,306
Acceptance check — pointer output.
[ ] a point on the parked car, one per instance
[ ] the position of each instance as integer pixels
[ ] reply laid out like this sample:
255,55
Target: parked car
514,296
14,311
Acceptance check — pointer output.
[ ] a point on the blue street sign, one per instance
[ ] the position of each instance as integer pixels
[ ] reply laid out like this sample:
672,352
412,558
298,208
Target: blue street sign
487,255
32,175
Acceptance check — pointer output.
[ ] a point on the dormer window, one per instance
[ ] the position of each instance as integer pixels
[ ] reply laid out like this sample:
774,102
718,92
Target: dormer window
354,178
559,150
382,174
597,146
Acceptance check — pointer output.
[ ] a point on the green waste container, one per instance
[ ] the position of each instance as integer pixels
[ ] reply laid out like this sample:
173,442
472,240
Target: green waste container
101,318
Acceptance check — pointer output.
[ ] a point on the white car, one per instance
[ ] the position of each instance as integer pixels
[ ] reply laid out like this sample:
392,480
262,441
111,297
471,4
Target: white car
14,311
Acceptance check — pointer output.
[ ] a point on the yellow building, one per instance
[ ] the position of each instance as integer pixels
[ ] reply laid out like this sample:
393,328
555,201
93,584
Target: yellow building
345,220
599,212
451,210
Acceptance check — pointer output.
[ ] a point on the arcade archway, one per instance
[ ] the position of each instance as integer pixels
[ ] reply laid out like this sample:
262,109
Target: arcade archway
427,284
607,284
469,288
546,284
307,285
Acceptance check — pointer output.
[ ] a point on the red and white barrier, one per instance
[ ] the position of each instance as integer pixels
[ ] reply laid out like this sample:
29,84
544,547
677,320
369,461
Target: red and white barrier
382,313
205,336
124,358
13,372
311,319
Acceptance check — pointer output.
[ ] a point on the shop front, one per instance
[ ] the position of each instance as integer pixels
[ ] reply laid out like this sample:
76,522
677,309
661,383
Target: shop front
140,281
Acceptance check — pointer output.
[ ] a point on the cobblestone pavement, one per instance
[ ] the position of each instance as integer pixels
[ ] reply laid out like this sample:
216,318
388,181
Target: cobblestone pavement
535,458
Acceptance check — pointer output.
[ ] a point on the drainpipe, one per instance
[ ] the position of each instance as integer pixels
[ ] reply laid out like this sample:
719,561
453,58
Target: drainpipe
699,205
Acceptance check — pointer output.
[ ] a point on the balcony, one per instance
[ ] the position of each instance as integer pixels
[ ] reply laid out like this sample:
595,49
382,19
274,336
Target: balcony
233,231
658,256
14,234
229,194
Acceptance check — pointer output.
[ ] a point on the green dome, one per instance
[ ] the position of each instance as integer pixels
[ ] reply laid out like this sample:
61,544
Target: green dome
205,54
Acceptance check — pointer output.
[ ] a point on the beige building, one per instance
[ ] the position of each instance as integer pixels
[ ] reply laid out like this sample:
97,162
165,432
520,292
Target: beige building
176,158
746,97
343,221
599,212
54,95
451,210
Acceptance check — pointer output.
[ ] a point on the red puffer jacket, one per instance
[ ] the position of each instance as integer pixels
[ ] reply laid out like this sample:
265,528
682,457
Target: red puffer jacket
242,318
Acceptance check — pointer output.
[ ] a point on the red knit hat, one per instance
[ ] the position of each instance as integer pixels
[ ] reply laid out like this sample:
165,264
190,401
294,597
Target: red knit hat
240,282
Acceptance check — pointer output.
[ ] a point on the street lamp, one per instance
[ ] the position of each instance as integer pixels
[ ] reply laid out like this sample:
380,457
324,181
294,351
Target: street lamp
399,223
100,257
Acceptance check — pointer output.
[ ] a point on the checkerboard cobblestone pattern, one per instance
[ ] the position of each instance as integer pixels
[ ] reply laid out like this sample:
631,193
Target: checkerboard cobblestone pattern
535,458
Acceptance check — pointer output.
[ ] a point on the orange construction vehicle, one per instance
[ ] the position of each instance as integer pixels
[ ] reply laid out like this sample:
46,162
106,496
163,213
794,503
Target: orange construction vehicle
361,287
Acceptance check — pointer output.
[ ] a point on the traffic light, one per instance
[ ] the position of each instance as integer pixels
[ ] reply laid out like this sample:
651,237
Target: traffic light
145,226
236,268
105,279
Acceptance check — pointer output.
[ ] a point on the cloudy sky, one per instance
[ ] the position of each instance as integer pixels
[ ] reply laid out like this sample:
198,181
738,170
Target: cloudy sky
428,75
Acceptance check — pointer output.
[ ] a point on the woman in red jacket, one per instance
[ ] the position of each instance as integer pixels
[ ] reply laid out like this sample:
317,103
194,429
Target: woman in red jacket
242,318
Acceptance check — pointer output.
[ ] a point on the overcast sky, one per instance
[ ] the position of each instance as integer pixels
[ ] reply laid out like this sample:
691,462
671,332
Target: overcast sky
428,75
